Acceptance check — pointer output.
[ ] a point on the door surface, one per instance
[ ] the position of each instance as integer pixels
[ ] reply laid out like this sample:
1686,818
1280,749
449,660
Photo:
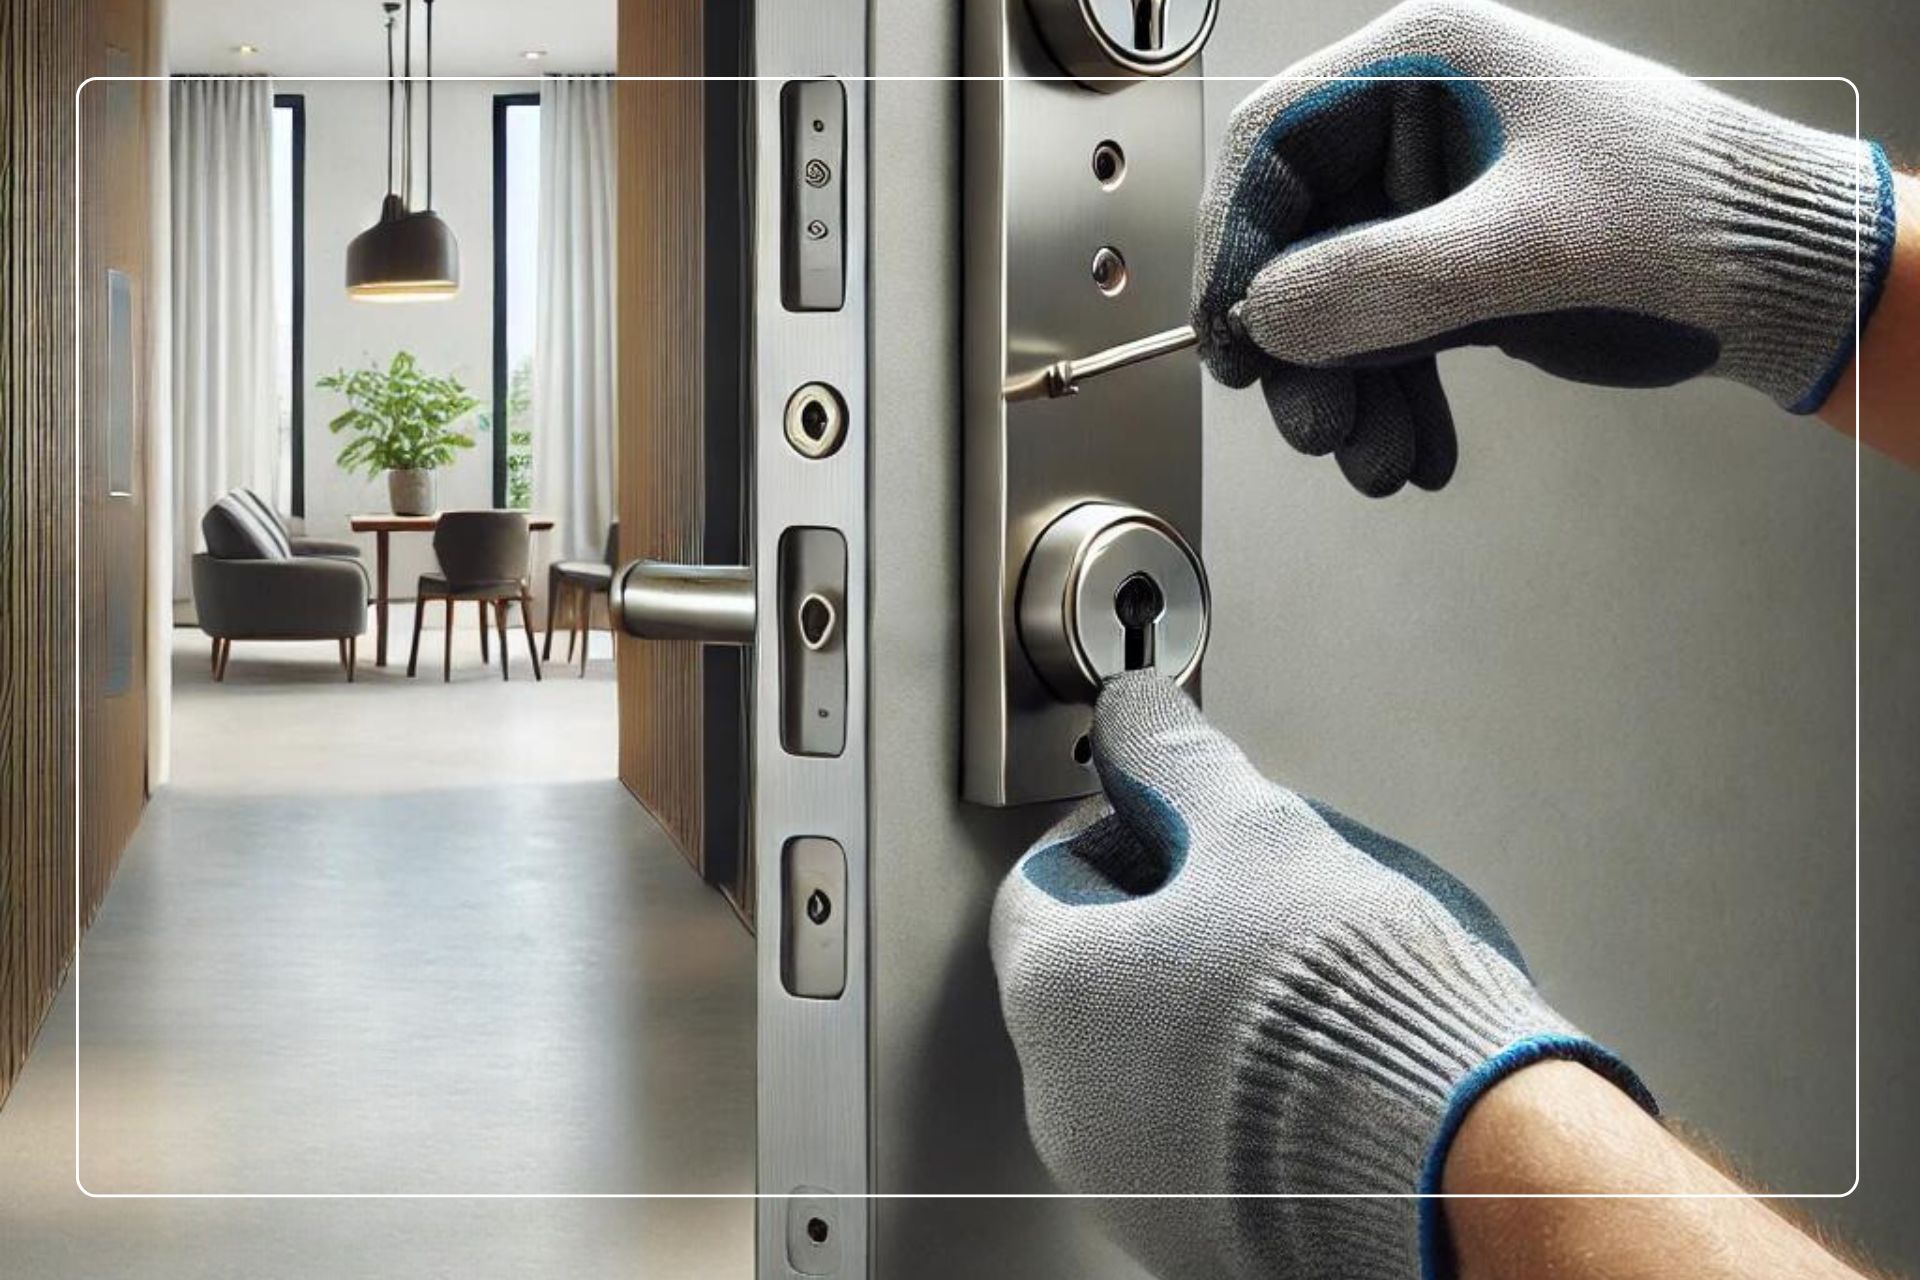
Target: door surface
1629,724
1628,714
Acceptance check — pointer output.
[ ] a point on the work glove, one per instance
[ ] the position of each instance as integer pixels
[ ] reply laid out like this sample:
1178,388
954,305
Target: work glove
1630,232
1217,987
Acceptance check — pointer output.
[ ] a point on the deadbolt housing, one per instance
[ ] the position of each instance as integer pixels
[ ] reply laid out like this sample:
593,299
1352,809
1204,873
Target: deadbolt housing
1072,607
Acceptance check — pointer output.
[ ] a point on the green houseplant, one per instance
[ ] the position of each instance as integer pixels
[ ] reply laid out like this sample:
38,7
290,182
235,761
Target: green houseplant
401,420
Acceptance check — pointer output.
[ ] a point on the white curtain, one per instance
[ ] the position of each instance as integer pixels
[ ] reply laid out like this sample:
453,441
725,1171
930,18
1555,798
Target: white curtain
225,406
573,346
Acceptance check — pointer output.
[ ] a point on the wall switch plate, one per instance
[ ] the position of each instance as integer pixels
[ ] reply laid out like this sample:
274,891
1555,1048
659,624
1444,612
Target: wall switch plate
1078,236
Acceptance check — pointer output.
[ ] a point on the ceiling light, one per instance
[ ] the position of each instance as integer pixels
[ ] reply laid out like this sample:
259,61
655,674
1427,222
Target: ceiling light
533,55
246,50
409,255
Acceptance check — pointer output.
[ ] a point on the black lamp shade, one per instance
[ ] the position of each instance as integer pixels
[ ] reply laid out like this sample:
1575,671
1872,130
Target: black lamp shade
405,257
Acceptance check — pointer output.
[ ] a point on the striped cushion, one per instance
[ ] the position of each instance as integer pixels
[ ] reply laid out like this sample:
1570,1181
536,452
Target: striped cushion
239,527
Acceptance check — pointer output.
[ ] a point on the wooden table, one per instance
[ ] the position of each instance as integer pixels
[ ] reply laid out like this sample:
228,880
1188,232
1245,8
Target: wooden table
383,527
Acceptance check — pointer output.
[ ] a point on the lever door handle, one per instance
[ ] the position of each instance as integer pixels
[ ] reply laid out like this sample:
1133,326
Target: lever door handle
713,604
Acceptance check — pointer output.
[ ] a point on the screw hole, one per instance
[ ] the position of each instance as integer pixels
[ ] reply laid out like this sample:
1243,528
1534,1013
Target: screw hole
1109,271
1083,750
817,1230
1109,164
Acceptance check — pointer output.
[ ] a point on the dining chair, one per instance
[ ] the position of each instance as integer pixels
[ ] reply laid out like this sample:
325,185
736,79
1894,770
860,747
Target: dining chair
483,556
575,583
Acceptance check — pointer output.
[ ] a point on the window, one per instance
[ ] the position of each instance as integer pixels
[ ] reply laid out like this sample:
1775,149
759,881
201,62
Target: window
516,214
290,291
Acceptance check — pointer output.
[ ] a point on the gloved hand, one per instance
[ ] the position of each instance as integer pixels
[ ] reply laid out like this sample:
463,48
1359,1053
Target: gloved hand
1631,233
1216,986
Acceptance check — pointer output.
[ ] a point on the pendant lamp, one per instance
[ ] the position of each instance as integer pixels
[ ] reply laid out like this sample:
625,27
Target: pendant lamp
410,254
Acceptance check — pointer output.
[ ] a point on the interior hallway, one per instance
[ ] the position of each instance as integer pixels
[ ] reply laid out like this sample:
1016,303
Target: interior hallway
391,937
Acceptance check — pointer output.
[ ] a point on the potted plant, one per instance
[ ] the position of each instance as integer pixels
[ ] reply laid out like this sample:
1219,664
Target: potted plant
402,422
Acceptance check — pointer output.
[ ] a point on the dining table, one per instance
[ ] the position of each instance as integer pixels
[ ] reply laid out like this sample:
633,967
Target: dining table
383,525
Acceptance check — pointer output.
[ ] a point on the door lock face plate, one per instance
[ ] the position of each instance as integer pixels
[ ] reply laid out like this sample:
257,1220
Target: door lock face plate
1079,237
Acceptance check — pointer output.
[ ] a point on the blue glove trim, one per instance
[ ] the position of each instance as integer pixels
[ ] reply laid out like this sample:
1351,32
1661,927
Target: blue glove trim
1066,874
1874,266
1483,118
1462,903
1436,1246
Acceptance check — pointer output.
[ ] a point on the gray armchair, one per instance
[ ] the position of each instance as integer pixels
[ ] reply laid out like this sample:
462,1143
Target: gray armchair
251,584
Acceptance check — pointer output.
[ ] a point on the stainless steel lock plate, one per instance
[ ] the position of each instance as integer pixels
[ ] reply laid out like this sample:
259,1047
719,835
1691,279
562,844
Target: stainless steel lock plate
1079,237
1111,589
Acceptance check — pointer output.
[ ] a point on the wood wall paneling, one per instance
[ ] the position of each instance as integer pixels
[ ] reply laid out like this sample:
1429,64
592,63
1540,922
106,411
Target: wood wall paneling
44,56
661,298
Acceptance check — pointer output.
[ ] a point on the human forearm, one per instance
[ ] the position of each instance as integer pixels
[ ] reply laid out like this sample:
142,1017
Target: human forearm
1887,370
1556,1129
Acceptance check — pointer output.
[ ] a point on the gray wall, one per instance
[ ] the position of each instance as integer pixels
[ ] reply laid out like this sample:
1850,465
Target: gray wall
1607,677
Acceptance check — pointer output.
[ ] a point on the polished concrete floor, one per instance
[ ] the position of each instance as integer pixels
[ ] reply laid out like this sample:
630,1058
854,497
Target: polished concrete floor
390,938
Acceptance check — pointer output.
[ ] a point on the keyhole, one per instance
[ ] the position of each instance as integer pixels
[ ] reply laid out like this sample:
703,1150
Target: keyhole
1139,604
813,420
819,906
1149,25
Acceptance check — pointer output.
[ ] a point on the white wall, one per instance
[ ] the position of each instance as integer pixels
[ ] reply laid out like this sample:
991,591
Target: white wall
346,177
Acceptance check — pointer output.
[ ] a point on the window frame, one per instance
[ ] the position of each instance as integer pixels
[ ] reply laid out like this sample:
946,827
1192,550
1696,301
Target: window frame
297,407
502,104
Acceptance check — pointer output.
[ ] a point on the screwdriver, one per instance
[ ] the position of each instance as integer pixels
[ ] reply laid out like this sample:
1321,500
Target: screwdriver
1063,377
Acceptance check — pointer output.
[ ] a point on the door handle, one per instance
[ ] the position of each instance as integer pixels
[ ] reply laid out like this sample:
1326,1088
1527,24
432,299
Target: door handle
712,604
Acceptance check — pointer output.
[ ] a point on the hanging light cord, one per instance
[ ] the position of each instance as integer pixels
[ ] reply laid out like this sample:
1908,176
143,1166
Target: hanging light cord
429,104
390,7
406,150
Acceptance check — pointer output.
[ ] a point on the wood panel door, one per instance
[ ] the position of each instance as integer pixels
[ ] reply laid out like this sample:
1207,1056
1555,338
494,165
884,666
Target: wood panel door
683,250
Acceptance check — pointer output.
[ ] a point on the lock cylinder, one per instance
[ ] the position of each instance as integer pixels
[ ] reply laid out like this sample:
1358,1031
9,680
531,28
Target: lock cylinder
1103,43
1110,588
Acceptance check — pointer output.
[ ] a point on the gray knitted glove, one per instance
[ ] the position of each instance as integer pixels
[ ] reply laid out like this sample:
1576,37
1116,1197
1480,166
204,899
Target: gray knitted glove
1215,986
1632,233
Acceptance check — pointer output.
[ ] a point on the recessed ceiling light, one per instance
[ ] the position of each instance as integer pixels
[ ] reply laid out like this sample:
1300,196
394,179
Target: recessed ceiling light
246,50
533,55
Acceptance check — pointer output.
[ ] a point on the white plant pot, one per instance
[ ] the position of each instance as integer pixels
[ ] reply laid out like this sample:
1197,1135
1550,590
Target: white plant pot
410,492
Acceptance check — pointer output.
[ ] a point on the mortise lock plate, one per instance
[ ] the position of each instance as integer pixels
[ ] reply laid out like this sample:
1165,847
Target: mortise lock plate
1082,510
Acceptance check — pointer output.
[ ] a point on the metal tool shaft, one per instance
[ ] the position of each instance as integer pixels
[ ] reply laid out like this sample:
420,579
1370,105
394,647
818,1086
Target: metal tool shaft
1063,377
